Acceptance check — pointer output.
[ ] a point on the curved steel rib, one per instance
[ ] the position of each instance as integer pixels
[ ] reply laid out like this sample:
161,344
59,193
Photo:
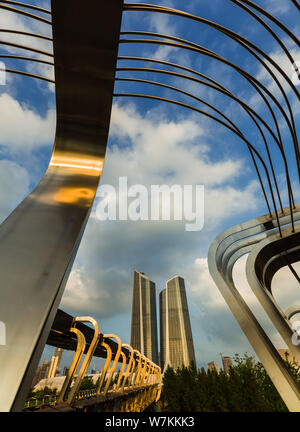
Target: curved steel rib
40,238
227,248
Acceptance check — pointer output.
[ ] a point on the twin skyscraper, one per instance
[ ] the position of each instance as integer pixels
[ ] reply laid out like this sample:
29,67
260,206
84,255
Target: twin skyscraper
176,341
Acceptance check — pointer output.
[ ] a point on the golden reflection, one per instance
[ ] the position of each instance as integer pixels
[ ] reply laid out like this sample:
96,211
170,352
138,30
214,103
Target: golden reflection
72,195
77,163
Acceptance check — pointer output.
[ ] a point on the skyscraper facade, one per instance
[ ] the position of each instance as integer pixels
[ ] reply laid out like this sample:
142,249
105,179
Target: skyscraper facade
176,340
55,363
144,320
212,366
227,363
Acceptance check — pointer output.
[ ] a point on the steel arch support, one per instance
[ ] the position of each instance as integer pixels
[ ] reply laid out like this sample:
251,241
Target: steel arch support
221,272
39,240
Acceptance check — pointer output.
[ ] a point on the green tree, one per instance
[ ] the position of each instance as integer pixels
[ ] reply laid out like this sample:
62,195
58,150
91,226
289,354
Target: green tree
247,388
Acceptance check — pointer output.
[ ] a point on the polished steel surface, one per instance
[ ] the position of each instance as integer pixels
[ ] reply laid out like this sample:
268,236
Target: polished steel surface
86,362
105,367
39,240
74,365
228,247
115,362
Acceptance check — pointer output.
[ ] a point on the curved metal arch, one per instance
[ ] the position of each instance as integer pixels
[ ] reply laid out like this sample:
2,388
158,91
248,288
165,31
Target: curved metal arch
219,121
27,6
246,107
296,4
27,14
164,62
81,343
217,88
115,362
36,50
233,35
265,350
273,19
88,356
192,44
131,360
292,311
165,36
185,42
138,366
241,41
246,75
28,74
39,36
269,29
33,59
55,213
214,109
121,371
208,79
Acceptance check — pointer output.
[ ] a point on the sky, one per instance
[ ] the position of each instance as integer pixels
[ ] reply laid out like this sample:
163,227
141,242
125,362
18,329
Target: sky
153,142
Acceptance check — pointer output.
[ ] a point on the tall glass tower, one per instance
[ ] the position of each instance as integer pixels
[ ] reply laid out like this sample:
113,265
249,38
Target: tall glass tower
176,340
144,321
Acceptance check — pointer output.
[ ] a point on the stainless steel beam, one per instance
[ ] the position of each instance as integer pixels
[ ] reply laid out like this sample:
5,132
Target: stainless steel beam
39,240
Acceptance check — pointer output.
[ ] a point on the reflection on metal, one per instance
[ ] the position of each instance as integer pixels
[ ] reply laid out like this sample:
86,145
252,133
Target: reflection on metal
115,362
39,240
88,356
74,365
272,240
132,397
121,371
138,368
292,311
130,365
261,240
105,367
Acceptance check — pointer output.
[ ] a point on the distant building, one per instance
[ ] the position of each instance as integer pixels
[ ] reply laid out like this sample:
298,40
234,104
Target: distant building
55,363
65,371
212,366
227,363
41,372
144,319
57,382
176,341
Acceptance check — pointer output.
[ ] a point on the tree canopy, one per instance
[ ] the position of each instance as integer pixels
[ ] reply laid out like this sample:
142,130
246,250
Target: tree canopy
246,388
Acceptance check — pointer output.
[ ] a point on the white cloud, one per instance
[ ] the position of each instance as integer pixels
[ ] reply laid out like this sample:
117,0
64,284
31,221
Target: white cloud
22,129
14,186
265,78
13,21
155,151
279,7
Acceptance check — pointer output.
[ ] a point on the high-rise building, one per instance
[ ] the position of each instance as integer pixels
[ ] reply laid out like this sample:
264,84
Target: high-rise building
212,366
227,363
176,340
41,373
144,320
55,363
65,371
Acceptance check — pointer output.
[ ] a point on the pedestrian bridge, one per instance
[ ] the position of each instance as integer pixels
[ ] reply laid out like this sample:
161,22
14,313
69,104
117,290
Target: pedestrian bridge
135,388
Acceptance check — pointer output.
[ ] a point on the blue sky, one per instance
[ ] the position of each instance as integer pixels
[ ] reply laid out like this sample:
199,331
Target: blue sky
158,143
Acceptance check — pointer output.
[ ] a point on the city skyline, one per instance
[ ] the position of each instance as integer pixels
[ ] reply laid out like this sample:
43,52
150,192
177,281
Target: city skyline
177,346
144,317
